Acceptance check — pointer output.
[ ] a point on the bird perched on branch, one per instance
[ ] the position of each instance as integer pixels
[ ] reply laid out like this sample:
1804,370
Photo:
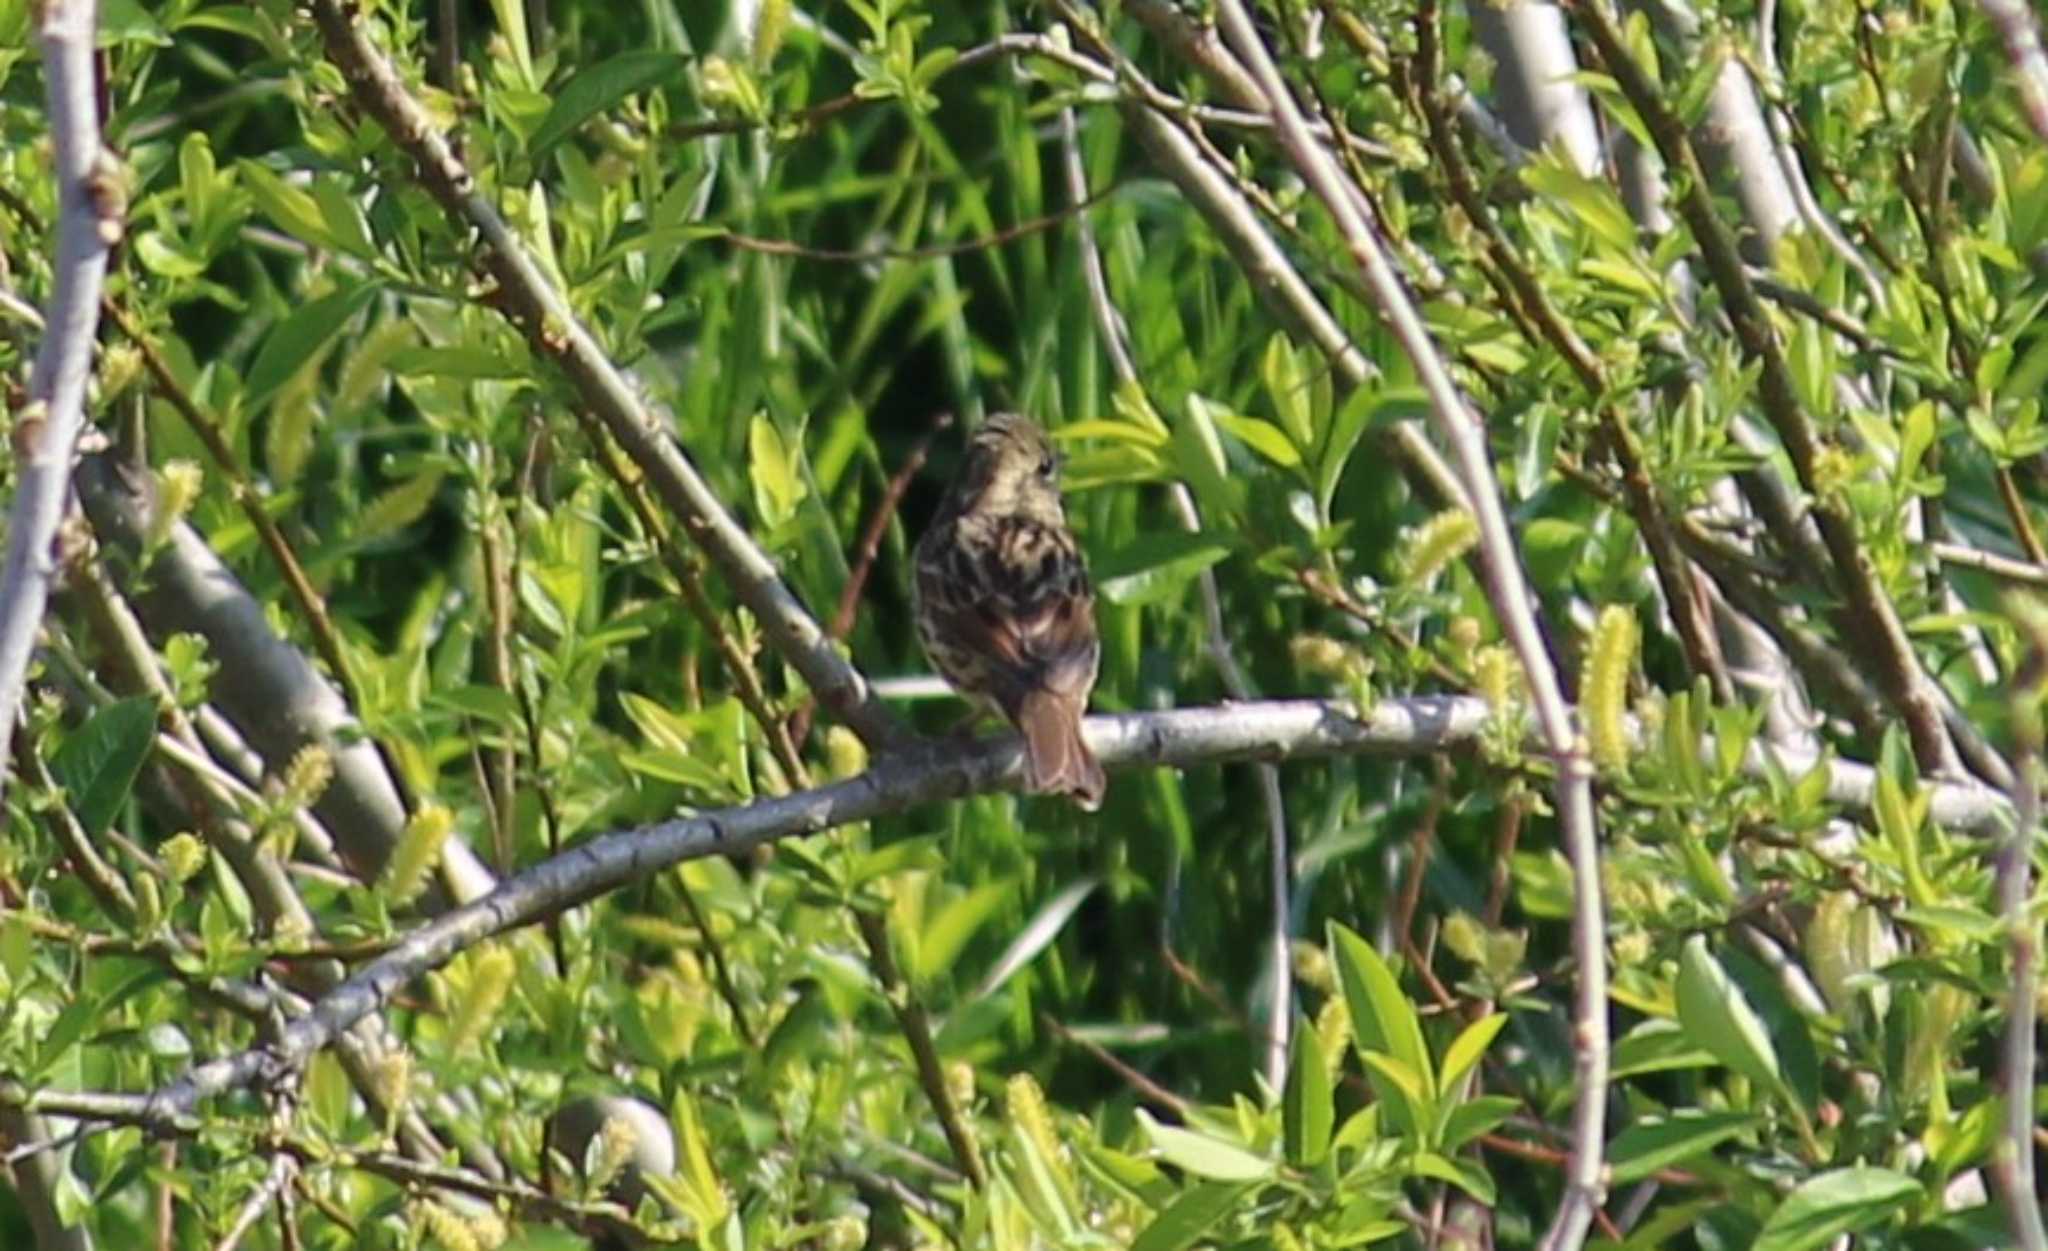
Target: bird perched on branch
1004,608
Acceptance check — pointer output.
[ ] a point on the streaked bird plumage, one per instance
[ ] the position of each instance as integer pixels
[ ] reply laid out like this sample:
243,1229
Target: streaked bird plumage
1004,607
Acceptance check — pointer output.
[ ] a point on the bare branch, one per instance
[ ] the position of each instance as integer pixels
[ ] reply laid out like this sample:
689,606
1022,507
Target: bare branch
2013,1159
916,1023
46,430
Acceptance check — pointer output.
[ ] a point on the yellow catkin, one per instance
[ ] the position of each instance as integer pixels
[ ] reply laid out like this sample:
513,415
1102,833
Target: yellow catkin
419,849
1436,543
1603,687
445,1227
490,979
1498,677
178,485
183,856
1026,1105
307,776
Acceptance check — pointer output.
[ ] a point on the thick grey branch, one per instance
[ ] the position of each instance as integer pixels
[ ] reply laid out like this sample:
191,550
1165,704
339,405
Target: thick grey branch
267,687
1266,731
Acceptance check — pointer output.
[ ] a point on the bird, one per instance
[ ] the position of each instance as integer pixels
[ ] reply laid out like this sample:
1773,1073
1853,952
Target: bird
1004,608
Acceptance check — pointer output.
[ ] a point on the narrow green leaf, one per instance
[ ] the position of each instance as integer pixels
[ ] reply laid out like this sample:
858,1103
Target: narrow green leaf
1152,568
1645,1147
940,942
1265,438
1382,1019
772,464
1464,1174
1467,1048
299,338
1036,936
598,87
1833,1204
1472,1118
98,763
1203,1155
1400,1088
1287,386
1717,1016
1193,1214
289,208
1198,454
1309,1112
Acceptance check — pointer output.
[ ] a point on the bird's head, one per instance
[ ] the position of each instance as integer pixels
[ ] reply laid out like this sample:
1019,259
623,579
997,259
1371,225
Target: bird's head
1010,469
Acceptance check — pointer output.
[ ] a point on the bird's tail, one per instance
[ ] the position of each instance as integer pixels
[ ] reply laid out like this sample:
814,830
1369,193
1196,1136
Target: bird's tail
1056,759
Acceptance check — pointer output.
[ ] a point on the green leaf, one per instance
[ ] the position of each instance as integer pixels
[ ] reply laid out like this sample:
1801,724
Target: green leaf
1382,1019
1717,1016
1400,1088
289,208
771,463
1309,1111
1287,385
1645,1147
1543,884
99,761
598,87
1036,936
1192,1215
1464,1174
1474,1117
1466,1050
299,338
939,942
1833,1204
1656,1046
1198,454
1202,1155
1265,438
1152,568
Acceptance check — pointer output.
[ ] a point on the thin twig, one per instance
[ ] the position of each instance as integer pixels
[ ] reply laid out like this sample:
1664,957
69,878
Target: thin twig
1964,556
282,1166
866,553
2013,1159
721,970
108,886
1674,572
1143,1085
47,429
916,1024
930,252
689,577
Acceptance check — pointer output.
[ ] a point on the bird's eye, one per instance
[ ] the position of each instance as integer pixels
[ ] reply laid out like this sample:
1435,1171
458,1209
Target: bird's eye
1049,466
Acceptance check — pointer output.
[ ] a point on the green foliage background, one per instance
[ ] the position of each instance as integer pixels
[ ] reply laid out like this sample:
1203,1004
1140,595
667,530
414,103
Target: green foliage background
1807,1013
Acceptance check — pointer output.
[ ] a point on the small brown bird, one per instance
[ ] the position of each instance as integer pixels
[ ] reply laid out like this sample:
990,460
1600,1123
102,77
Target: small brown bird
1004,608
